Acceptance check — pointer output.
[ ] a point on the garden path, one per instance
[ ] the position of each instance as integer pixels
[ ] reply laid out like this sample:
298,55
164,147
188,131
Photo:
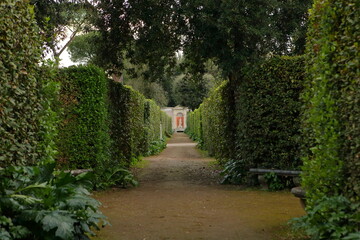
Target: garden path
179,198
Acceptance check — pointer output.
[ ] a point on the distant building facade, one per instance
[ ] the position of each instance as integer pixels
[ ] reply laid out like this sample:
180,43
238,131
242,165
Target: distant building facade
178,115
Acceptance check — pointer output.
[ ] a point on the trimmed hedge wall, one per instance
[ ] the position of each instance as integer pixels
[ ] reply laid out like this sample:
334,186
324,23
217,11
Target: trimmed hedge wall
83,139
137,124
104,122
216,119
332,96
127,109
267,125
267,114
25,124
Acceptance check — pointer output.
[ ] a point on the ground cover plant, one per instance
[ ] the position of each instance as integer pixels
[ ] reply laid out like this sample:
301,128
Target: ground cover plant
41,203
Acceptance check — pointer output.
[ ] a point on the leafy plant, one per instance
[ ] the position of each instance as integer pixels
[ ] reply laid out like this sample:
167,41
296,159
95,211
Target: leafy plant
331,218
40,203
274,181
116,176
156,147
233,172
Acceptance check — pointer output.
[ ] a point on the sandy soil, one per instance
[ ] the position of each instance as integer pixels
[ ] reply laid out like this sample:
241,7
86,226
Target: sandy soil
179,198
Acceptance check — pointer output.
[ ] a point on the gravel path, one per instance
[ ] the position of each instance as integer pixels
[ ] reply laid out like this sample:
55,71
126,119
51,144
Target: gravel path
179,198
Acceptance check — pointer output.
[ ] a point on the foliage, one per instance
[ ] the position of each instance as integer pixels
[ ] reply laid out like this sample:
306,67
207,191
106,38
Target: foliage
155,147
231,32
83,139
331,218
276,182
85,48
38,203
263,128
234,172
331,96
115,176
217,127
58,17
23,104
138,126
190,91
127,123
267,114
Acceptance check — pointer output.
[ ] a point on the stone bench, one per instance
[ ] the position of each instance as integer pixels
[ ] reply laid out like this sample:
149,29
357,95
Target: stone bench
288,173
297,191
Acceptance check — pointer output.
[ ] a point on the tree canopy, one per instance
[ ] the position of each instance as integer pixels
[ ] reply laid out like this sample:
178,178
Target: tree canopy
232,33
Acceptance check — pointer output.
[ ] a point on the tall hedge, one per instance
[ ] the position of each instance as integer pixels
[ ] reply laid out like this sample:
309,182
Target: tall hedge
152,118
22,92
332,96
266,118
267,114
194,125
83,139
136,123
216,123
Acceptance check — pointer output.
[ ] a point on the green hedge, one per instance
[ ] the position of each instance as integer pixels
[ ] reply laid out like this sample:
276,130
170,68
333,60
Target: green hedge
332,96
194,125
217,123
127,129
266,119
25,121
138,126
83,139
267,114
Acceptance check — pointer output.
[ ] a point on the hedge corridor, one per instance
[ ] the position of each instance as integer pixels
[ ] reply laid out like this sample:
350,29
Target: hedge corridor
266,121
298,113
105,123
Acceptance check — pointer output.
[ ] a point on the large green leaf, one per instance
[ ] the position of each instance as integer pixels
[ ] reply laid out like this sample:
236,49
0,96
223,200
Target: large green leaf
62,222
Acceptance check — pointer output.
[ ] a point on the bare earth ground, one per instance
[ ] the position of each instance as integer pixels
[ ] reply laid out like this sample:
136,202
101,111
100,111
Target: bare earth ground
179,198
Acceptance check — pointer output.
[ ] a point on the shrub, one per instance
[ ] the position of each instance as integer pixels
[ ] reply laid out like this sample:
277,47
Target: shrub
22,92
216,120
127,123
267,114
84,139
267,117
37,203
138,126
331,218
331,117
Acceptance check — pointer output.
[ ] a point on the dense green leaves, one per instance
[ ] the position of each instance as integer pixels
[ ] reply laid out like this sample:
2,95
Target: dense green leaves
267,114
332,101
263,128
331,218
24,109
38,203
83,139
138,126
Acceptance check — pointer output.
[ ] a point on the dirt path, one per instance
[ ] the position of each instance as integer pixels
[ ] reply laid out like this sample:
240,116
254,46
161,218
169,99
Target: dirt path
179,198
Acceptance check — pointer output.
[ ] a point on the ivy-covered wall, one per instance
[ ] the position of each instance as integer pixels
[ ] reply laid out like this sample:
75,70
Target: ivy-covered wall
24,115
332,96
83,139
